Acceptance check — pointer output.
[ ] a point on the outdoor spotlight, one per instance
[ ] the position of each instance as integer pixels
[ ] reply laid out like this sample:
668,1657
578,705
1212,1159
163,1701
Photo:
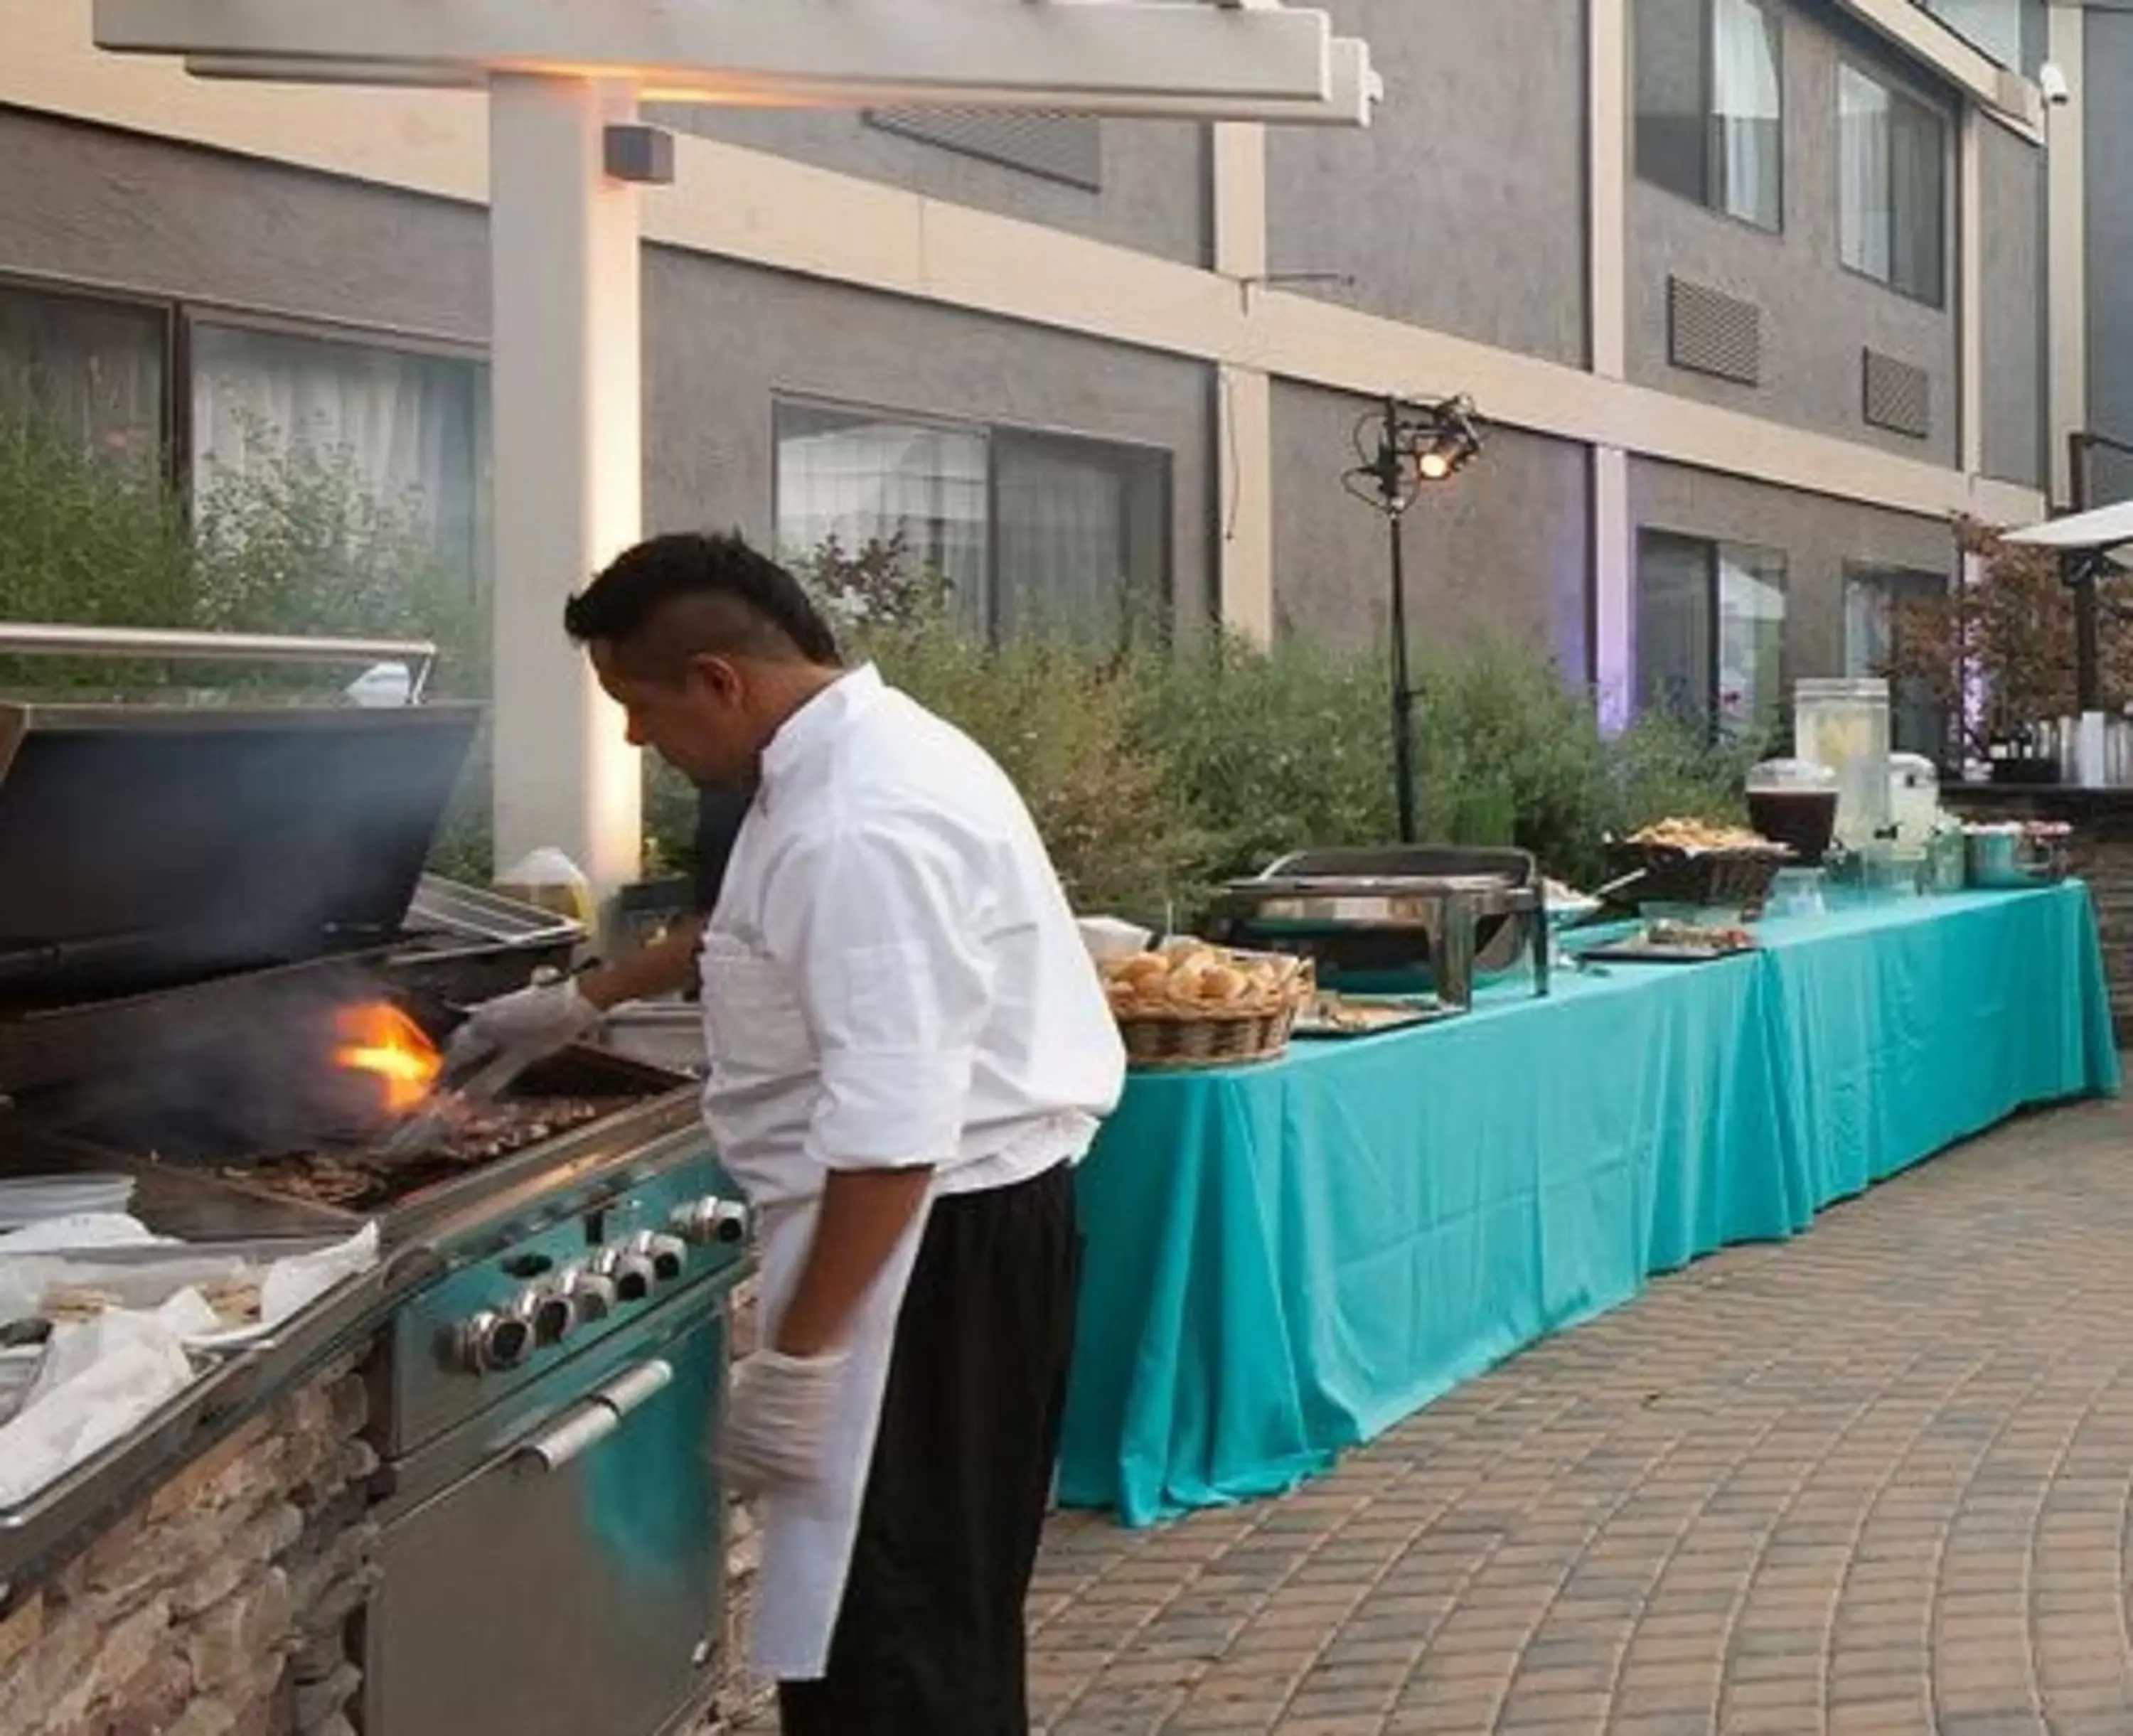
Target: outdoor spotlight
1399,447
1404,445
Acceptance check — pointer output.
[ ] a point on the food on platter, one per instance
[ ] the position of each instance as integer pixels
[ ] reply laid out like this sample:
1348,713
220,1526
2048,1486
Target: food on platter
71,1304
234,1300
1337,1015
1197,981
1703,837
1697,937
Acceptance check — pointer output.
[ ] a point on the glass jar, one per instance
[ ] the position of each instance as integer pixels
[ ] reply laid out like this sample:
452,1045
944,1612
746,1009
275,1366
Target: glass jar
1844,724
1794,802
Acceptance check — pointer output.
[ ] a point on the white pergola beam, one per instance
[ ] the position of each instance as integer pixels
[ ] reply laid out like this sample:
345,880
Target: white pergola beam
1354,90
1065,50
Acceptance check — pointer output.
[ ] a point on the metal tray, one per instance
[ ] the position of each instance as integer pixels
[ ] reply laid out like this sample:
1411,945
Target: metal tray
1643,952
1397,1014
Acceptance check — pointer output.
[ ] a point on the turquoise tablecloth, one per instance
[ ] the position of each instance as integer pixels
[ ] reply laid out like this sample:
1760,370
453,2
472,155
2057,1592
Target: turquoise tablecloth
1284,1260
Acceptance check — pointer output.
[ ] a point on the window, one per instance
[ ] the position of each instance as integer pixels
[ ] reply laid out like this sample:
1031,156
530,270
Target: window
2008,30
1710,105
1711,627
1892,218
90,366
1034,533
410,423
413,427
858,477
1874,600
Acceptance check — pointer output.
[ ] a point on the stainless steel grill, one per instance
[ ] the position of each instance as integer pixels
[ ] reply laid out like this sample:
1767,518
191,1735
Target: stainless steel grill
182,891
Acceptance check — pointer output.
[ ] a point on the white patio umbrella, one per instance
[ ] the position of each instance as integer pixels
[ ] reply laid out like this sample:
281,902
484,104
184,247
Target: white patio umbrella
2097,533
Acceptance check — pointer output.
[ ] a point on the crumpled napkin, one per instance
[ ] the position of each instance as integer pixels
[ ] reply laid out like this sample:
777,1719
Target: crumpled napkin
99,1379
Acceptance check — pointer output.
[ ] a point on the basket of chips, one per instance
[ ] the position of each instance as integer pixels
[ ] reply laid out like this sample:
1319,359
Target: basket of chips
1695,864
1192,1005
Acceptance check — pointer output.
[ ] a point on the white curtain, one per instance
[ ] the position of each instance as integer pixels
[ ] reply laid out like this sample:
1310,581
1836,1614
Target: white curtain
413,427
861,480
91,367
1751,638
1080,538
1747,108
1673,626
1865,219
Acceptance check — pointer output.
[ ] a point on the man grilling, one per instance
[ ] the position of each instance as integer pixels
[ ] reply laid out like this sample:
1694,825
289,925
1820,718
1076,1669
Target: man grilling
908,1054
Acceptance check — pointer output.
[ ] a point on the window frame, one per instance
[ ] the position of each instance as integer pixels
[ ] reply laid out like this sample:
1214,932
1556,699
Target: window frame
1712,550
1899,96
180,314
990,431
1712,200
1890,579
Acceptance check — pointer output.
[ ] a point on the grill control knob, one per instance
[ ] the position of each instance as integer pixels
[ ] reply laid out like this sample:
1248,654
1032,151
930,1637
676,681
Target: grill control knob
711,1219
592,1295
490,1343
630,1273
666,1254
547,1311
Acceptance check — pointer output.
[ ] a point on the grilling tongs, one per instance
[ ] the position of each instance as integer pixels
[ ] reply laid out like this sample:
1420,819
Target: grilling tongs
469,1078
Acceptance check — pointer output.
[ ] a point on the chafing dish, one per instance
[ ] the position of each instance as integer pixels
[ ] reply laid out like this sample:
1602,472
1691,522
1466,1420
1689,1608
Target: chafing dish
1428,919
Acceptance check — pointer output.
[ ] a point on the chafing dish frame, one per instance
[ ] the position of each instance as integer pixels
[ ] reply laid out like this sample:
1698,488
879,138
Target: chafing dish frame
1447,911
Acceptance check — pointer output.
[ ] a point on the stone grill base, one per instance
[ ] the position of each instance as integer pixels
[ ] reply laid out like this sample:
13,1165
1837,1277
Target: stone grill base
220,1605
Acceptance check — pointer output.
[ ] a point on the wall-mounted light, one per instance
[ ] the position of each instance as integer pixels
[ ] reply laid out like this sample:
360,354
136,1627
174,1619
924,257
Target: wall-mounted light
634,152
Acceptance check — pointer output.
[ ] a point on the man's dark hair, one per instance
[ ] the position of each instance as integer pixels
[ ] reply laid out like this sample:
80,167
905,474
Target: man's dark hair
691,593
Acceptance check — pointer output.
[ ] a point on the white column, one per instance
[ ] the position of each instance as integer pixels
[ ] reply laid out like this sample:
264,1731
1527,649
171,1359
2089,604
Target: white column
1244,406
565,391
1614,587
1970,290
1607,158
2067,275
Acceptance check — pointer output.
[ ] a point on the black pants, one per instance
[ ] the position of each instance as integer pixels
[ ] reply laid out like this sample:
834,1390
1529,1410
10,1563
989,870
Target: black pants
930,1638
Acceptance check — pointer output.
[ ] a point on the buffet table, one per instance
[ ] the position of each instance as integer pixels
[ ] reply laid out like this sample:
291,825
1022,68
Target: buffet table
1284,1260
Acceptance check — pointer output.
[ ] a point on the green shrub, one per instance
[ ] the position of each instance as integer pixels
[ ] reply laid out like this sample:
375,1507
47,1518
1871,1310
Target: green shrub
1152,775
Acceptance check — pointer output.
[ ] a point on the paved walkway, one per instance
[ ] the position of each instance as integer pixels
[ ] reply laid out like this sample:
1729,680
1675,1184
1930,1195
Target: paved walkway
1873,1481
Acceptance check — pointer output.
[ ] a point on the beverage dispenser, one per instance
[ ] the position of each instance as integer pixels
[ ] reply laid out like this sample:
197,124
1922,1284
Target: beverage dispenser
1843,724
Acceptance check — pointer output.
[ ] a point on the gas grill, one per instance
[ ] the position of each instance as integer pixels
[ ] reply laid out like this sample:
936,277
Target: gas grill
190,901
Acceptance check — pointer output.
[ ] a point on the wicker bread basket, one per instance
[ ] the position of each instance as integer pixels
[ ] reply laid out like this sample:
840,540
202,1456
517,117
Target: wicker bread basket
1187,1009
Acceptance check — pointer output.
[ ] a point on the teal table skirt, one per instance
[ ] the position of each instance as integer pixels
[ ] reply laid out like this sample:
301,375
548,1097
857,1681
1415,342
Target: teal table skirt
1284,1260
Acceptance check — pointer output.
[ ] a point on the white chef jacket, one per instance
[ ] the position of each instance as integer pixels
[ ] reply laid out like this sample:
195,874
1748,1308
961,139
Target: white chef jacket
891,978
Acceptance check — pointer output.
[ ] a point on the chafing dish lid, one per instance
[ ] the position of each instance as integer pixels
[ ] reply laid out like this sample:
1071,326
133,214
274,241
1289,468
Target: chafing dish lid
1368,886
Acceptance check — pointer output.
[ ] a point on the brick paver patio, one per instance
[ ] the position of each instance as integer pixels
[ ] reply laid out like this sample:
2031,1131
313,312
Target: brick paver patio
1873,1481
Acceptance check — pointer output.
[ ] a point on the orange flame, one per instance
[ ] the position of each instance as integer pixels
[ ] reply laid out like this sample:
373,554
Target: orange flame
379,1039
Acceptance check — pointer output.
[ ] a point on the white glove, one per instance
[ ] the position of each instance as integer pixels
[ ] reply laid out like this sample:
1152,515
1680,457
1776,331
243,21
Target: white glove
528,1023
779,1416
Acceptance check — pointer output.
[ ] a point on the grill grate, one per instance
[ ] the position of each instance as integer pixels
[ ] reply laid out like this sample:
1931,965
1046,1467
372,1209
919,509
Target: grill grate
1898,396
1711,332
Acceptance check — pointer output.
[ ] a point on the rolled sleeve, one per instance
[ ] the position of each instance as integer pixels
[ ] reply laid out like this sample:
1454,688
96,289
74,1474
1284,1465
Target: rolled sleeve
880,925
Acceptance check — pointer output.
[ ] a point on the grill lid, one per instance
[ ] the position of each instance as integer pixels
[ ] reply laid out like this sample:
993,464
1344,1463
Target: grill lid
141,846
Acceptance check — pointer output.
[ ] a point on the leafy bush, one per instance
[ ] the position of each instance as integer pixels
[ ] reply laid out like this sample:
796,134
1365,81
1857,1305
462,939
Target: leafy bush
297,546
1264,752
1154,776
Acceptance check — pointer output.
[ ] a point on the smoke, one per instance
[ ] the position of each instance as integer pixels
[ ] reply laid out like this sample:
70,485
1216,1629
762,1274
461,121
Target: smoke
247,1072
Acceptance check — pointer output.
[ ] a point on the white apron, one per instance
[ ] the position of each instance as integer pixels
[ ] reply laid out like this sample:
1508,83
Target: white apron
807,1537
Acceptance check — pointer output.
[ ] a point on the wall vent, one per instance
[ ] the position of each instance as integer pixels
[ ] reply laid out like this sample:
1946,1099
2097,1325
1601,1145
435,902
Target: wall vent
1897,395
1711,332
1061,147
